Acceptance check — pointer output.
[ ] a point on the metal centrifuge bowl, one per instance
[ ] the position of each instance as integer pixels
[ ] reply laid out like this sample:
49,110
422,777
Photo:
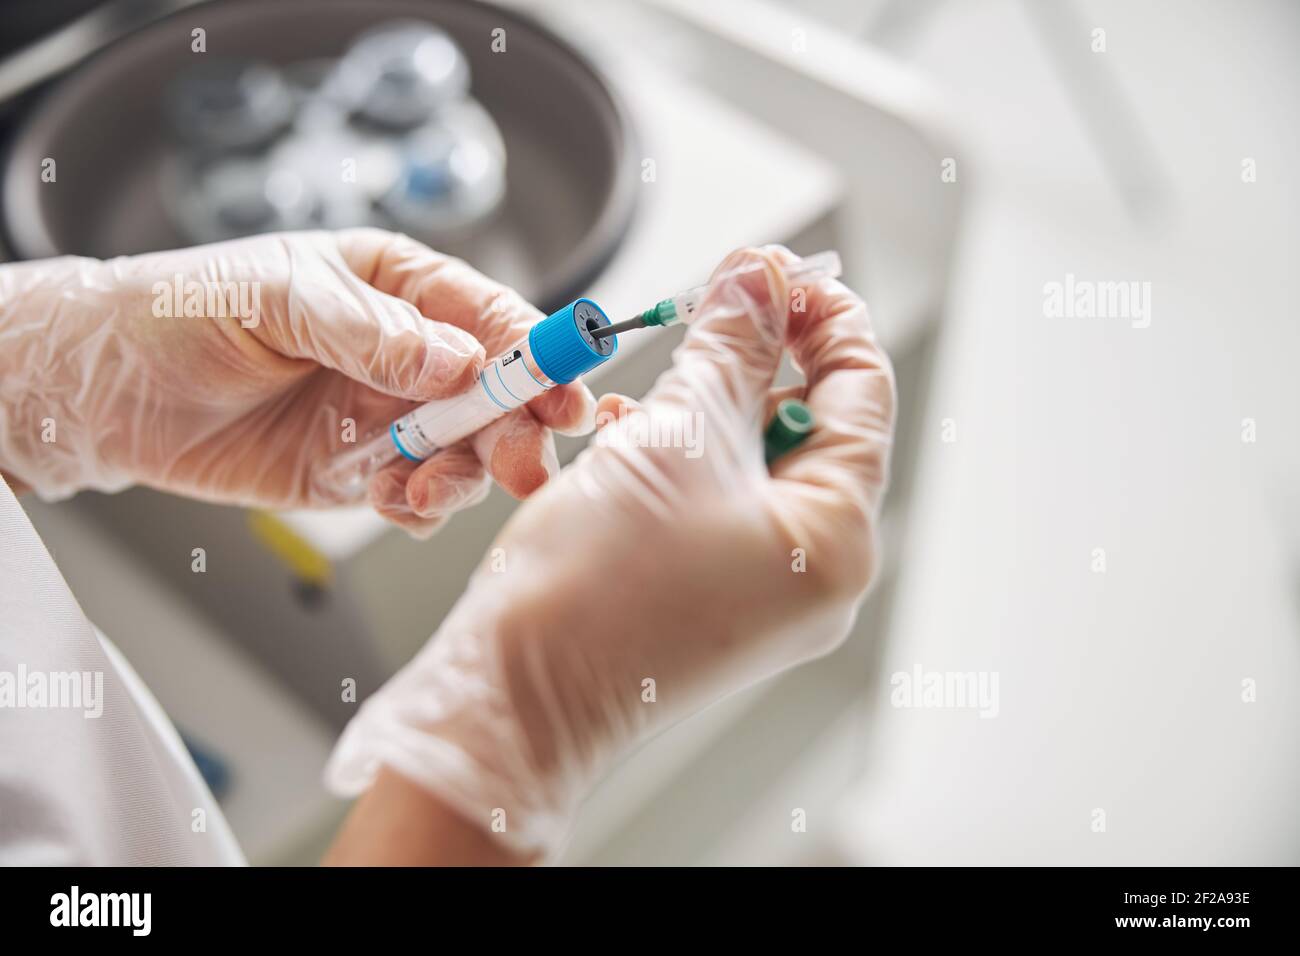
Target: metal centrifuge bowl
570,177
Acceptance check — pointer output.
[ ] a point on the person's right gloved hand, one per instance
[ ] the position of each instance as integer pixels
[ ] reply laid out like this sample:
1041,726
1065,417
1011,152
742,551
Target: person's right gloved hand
647,582
234,390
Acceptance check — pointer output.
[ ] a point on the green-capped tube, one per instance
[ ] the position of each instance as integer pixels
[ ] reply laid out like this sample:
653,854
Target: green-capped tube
792,423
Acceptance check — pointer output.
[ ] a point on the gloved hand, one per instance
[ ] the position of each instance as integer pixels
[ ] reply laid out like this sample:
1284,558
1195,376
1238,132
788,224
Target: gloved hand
694,569
109,377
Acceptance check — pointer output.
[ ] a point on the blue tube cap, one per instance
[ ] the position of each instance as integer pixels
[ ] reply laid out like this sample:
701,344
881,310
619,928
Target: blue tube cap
562,344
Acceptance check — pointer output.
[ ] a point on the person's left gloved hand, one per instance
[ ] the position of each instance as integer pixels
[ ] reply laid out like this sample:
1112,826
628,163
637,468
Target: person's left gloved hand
224,372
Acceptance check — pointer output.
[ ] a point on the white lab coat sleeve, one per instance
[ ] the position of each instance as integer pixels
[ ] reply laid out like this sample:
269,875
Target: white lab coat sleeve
91,770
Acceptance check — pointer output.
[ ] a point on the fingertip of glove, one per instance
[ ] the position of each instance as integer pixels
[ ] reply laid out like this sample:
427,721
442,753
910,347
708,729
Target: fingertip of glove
520,470
577,415
763,293
441,494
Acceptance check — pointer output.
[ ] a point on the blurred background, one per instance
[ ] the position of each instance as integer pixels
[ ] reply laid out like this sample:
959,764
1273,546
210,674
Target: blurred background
1099,512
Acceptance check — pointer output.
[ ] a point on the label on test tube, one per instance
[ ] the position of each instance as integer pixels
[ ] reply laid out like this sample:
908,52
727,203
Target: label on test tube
507,382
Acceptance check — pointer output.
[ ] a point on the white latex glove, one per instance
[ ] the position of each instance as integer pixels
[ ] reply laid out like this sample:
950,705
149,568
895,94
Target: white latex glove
650,563
108,378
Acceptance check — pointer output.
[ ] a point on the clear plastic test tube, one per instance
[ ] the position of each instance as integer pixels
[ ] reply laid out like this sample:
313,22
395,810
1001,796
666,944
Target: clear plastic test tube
557,350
